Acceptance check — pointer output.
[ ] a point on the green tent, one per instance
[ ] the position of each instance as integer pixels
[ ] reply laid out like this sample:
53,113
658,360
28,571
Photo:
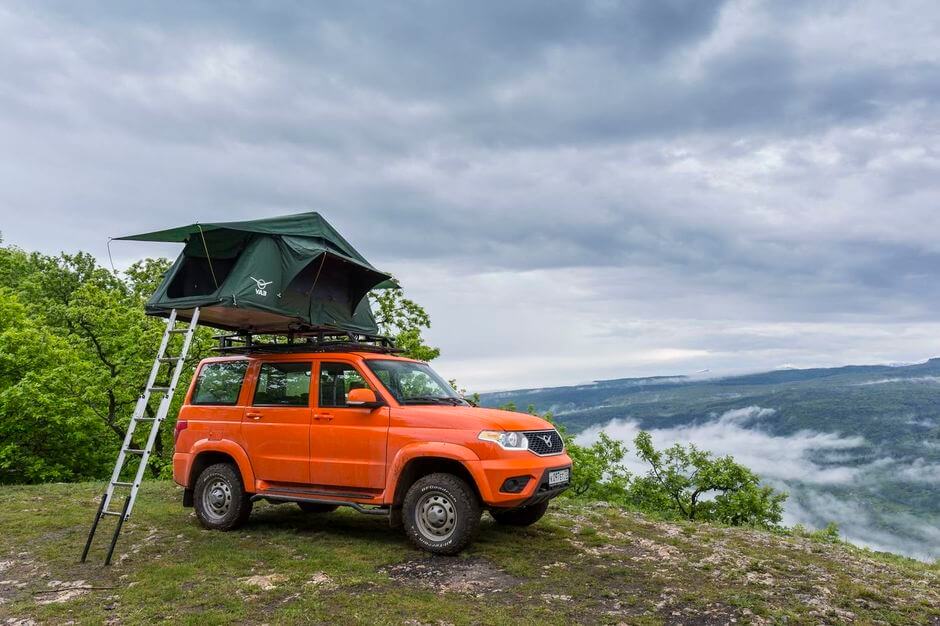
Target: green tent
276,275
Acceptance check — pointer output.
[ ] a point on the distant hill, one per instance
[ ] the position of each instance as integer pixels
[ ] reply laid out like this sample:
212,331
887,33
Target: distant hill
870,437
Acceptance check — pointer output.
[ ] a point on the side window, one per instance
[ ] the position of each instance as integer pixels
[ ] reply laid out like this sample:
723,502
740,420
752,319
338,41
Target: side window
283,384
336,379
219,383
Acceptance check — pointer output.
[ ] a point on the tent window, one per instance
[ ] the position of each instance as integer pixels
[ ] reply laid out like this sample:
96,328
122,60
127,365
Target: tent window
331,279
194,277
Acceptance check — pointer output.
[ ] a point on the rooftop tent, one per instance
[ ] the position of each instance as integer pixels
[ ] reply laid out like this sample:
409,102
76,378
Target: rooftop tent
288,273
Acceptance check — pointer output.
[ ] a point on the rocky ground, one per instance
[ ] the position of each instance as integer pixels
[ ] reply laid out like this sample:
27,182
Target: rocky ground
584,563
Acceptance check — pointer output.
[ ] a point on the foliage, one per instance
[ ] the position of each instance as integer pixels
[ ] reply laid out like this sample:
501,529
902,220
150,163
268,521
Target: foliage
686,477
75,352
94,319
45,433
600,473
829,534
403,320
682,481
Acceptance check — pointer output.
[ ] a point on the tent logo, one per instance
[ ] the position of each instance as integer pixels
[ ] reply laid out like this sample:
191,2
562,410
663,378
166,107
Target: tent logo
262,284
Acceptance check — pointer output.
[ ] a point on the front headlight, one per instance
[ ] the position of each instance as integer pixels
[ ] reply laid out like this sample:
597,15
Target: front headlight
505,440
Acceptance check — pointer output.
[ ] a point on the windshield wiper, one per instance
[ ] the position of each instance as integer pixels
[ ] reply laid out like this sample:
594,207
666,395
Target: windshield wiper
454,401
433,400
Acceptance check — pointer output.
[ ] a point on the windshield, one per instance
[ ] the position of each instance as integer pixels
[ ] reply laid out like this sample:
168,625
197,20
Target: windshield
414,383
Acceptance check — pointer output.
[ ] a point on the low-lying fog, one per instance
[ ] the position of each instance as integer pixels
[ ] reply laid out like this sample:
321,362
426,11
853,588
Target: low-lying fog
826,475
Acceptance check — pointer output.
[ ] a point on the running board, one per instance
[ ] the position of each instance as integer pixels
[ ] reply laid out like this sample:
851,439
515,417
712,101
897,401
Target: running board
383,511
304,492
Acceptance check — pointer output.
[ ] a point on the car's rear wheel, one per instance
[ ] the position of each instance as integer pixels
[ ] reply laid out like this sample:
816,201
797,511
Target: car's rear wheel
441,513
521,516
220,499
316,507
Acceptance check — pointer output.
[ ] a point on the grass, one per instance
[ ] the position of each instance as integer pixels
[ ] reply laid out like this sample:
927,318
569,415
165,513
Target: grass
581,564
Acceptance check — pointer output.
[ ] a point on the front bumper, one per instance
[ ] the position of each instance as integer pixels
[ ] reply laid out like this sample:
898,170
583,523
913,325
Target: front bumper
544,491
497,471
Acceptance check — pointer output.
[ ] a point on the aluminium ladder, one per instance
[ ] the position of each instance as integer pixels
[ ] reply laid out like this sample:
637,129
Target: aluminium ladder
140,415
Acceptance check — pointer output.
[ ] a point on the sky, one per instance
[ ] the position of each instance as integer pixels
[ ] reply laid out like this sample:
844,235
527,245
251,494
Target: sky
573,190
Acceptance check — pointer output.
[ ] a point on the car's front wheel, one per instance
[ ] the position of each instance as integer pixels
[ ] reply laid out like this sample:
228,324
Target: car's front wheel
522,516
220,499
441,513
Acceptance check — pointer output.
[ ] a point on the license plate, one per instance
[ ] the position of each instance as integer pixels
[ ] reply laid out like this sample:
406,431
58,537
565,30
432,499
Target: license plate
559,477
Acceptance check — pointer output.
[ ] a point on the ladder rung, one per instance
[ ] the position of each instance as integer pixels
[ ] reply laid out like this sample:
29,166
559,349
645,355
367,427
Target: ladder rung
115,513
163,389
135,451
178,330
168,359
144,419
120,484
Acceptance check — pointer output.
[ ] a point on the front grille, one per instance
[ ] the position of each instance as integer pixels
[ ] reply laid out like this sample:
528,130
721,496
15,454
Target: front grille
545,442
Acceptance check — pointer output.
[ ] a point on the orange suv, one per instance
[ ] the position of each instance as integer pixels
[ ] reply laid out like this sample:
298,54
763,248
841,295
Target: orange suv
382,434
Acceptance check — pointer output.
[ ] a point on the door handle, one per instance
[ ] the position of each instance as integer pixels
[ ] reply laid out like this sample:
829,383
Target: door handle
326,417
253,416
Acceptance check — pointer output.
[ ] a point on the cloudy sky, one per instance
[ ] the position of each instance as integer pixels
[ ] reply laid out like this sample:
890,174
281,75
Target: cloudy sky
573,190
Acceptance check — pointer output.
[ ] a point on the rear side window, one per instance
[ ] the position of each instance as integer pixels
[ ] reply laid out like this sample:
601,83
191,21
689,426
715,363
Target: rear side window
283,384
220,383
336,380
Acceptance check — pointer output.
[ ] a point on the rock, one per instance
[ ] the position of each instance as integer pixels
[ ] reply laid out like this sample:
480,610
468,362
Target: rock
265,583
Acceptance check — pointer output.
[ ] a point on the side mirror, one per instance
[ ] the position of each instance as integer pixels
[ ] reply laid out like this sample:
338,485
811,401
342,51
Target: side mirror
363,399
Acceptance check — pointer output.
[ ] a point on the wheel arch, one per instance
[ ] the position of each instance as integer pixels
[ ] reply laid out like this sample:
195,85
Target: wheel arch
212,452
412,463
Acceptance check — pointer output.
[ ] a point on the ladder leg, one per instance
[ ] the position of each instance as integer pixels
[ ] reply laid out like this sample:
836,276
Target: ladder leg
117,531
94,527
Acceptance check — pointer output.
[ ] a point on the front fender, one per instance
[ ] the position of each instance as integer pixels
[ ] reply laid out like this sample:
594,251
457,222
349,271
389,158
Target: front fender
230,448
442,450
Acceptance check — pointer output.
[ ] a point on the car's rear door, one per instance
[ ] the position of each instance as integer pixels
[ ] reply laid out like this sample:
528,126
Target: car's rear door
215,405
276,427
347,444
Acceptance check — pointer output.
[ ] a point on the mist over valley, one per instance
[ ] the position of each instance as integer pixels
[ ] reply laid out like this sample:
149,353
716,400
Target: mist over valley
855,445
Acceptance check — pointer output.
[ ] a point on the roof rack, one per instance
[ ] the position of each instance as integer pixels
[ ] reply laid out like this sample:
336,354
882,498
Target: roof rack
326,340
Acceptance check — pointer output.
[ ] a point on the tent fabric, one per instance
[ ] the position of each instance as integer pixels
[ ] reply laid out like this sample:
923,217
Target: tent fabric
282,274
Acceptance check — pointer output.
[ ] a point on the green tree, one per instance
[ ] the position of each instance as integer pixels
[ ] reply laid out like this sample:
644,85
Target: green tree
46,434
404,321
600,473
100,316
698,486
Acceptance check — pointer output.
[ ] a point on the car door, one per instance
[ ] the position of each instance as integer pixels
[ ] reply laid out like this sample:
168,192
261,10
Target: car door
276,427
347,444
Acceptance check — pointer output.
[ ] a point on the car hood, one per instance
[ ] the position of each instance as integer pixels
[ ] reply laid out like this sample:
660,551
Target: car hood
477,417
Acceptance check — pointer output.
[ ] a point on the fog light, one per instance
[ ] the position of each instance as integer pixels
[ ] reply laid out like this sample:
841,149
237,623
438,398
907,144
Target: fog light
515,484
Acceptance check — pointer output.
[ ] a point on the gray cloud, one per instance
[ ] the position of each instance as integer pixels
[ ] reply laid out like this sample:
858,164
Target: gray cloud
747,183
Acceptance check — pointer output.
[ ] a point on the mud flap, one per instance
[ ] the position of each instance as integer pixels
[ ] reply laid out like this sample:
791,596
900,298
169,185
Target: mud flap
394,517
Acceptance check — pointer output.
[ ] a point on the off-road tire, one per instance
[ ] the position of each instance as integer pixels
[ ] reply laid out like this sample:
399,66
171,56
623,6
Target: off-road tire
316,507
220,499
441,513
522,516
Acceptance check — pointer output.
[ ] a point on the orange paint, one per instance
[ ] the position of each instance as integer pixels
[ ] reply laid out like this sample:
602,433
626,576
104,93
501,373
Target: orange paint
284,432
